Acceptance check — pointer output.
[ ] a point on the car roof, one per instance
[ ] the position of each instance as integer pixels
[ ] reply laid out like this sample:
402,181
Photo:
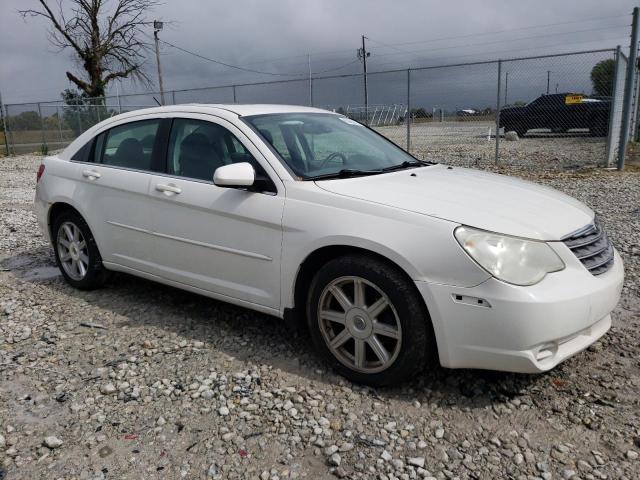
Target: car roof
241,110
221,110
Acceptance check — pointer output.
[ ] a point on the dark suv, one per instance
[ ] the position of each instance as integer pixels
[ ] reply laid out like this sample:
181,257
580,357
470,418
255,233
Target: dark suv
559,112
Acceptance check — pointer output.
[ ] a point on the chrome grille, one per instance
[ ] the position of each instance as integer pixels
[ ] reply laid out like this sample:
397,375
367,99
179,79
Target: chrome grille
592,247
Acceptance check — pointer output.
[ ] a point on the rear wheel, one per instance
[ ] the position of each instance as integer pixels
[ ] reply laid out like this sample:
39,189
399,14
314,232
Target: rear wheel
599,126
515,128
76,252
368,321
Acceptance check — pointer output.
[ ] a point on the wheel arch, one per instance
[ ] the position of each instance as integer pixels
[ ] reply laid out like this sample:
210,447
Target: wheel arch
63,205
321,255
295,316
56,209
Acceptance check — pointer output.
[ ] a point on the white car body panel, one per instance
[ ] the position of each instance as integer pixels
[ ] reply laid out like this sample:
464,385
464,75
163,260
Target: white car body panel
247,248
478,199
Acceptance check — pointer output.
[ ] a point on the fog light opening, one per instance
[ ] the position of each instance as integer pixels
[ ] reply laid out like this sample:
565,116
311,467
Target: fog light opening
546,351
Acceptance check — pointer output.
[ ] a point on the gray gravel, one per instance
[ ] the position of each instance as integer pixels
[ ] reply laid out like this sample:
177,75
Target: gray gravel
138,380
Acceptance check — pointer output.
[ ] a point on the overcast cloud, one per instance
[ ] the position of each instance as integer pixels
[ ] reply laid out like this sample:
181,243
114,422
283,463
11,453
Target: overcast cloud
253,33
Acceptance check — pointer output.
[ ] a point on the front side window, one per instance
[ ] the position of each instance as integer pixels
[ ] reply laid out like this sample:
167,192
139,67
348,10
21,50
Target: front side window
129,145
318,144
197,148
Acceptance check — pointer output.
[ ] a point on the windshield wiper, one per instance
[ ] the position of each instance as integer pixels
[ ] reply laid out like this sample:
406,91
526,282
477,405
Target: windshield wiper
405,164
345,173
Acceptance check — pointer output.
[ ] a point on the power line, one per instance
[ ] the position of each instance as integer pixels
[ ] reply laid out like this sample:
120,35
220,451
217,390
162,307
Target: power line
501,31
238,67
406,52
348,52
395,46
509,50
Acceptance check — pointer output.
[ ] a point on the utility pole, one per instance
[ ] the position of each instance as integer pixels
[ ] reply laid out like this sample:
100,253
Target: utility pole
310,81
506,87
548,77
157,26
628,90
362,55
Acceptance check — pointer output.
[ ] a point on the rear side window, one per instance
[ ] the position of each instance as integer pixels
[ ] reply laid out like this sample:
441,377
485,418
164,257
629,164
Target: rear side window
83,154
129,145
197,148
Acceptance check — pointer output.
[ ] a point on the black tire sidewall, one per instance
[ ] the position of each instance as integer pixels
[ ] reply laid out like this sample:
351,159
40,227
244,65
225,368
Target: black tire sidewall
96,273
418,345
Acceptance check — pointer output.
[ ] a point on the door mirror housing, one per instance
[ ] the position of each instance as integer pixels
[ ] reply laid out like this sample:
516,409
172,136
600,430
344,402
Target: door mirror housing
235,175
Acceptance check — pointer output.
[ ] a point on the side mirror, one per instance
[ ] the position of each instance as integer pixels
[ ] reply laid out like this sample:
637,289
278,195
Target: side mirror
235,175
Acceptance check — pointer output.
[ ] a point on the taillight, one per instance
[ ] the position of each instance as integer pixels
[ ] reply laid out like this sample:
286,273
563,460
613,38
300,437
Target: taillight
40,172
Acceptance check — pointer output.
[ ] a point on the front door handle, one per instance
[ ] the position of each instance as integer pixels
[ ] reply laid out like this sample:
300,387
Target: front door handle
168,189
90,174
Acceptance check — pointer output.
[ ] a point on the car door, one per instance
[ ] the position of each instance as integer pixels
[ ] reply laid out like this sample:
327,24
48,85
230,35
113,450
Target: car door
223,240
113,188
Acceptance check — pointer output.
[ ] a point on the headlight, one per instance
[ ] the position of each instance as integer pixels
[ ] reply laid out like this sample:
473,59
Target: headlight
511,259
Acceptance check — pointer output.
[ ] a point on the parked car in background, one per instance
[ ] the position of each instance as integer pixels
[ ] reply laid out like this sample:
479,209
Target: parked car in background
392,263
559,112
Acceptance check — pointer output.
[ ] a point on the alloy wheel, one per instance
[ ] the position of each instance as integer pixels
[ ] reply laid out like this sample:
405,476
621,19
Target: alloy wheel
359,324
72,251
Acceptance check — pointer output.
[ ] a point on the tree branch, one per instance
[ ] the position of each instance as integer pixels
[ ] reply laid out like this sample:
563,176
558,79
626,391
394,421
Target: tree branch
56,24
82,85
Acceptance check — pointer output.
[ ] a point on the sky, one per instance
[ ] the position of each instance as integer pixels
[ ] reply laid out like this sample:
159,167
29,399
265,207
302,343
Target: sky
281,36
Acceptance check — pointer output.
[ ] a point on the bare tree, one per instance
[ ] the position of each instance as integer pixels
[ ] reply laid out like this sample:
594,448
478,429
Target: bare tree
105,36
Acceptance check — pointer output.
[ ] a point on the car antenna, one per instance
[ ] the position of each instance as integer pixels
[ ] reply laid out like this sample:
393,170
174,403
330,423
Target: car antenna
156,100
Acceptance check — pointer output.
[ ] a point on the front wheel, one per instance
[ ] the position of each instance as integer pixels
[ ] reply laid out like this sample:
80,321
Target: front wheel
368,321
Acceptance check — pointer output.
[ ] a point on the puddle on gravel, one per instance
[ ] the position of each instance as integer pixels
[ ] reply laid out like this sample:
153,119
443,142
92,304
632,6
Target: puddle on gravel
29,267
39,273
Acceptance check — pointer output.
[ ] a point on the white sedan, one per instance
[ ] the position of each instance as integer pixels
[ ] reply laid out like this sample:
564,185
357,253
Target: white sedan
392,263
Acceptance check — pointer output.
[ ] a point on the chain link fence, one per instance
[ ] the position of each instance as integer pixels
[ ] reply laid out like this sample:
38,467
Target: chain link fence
542,112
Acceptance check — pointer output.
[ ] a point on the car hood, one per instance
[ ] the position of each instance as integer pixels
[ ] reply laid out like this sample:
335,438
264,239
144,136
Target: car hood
470,197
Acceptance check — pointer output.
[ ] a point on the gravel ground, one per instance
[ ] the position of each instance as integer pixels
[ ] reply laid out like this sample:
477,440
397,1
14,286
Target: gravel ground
138,380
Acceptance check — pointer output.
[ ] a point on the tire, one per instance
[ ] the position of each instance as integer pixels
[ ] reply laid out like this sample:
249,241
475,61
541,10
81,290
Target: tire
77,254
599,128
402,327
515,128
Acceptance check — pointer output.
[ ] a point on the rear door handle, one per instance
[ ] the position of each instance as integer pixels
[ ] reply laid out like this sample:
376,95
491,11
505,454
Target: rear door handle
90,174
168,189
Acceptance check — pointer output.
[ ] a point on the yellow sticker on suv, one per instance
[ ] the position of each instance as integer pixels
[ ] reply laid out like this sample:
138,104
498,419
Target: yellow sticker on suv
573,99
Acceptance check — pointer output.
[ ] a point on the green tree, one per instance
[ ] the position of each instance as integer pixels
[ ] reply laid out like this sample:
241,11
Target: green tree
602,77
81,112
29,120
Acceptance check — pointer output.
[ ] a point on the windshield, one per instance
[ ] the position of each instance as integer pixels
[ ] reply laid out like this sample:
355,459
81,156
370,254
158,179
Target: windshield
322,145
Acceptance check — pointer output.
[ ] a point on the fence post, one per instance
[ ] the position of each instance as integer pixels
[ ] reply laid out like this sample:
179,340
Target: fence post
614,94
44,137
4,119
498,112
234,95
80,129
59,124
636,109
173,97
628,87
408,116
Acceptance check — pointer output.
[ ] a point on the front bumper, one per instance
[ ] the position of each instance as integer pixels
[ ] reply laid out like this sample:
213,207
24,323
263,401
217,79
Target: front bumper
498,326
